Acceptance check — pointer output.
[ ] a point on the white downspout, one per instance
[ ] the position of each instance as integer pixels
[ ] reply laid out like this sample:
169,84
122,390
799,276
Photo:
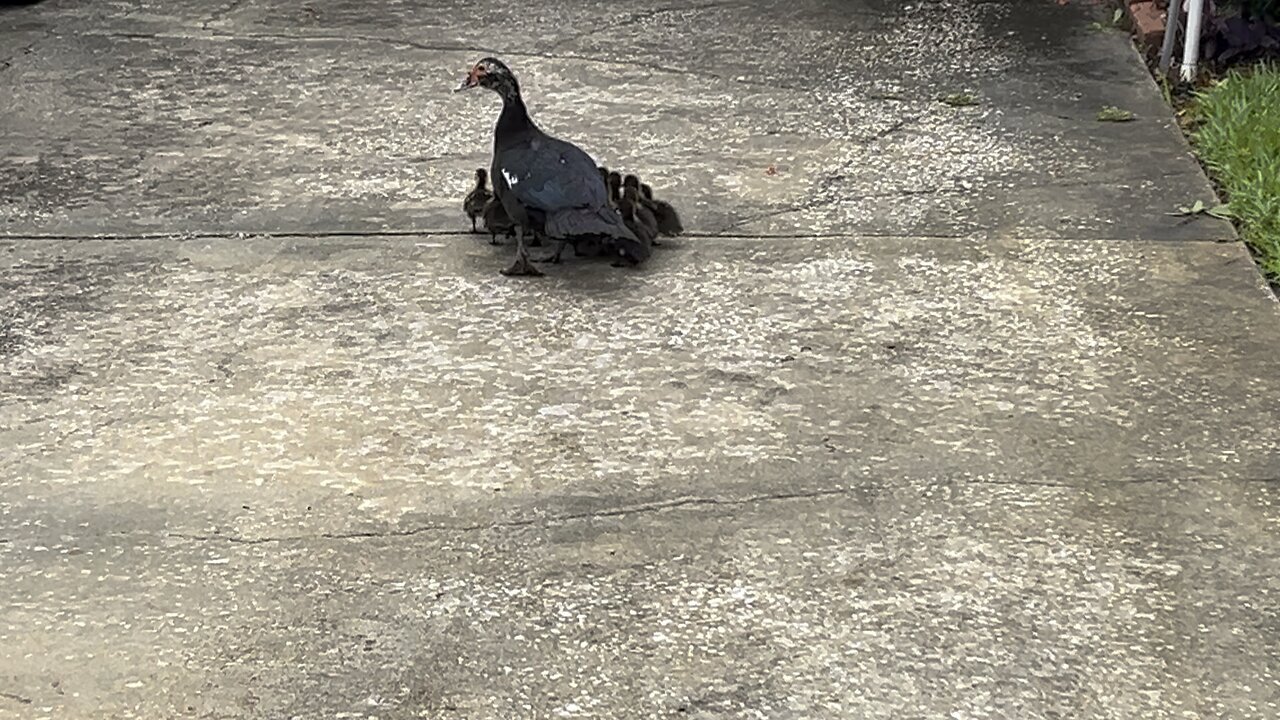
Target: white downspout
1191,43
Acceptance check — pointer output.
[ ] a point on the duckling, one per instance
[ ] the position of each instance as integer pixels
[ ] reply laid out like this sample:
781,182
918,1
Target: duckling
630,208
614,185
474,203
631,189
496,221
668,219
604,175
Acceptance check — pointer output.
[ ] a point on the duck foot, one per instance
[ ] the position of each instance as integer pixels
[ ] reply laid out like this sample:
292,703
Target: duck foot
522,268
493,240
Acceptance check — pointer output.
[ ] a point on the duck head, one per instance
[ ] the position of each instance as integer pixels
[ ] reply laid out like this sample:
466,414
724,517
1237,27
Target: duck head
493,74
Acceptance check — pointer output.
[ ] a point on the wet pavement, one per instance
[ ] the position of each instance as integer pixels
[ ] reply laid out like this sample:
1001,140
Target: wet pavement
936,412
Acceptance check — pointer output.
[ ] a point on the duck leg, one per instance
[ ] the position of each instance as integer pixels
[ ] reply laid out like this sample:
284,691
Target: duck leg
521,267
473,225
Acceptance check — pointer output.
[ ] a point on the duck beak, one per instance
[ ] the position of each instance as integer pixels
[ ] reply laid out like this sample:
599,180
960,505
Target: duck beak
471,80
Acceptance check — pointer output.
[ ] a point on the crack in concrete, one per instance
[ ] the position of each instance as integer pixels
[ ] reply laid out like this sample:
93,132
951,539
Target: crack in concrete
816,203
823,193
711,235
221,13
15,697
665,505
638,509
636,18
461,48
25,50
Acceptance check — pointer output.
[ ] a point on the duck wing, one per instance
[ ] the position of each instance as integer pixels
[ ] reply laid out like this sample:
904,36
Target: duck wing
549,174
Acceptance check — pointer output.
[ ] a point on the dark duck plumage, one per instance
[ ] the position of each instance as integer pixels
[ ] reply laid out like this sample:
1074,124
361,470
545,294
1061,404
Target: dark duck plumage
547,185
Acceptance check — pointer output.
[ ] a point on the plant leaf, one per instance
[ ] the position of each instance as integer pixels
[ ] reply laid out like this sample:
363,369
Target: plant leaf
1222,212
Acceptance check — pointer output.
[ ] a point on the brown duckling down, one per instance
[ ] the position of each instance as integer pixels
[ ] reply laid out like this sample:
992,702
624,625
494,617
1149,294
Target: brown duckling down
631,195
473,204
613,183
496,221
630,208
666,215
631,187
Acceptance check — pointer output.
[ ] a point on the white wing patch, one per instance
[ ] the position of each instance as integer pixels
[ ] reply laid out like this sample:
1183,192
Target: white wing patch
511,179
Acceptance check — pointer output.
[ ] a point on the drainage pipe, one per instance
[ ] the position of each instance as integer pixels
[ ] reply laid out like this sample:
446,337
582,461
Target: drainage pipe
1191,43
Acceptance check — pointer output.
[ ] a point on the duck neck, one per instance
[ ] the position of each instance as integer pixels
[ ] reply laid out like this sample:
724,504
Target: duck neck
515,116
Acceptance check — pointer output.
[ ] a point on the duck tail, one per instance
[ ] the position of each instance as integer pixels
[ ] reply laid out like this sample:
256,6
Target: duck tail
604,223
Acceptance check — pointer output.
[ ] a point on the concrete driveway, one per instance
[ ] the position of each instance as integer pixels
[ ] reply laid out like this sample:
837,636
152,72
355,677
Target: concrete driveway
937,412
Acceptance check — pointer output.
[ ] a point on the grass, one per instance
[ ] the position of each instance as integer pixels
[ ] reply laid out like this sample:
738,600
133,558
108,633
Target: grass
1237,133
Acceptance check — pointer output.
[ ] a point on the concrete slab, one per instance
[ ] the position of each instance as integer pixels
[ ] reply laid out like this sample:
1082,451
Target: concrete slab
914,600
281,386
818,478
273,116
961,437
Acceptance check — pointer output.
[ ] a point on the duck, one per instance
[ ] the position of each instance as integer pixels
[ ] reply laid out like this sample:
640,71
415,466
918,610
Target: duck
548,186
614,183
668,219
473,204
496,221
631,189
629,207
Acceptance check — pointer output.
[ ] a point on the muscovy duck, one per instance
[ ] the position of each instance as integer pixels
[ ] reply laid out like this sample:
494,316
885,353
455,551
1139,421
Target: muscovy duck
546,184
473,204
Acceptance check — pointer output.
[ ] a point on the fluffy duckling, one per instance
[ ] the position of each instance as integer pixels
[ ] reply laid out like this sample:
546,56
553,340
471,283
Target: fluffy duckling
631,189
668,219
614,184
474,203
496,221
631,210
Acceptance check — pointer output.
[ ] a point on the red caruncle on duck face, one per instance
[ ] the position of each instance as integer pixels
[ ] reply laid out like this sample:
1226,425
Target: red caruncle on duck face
489,73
